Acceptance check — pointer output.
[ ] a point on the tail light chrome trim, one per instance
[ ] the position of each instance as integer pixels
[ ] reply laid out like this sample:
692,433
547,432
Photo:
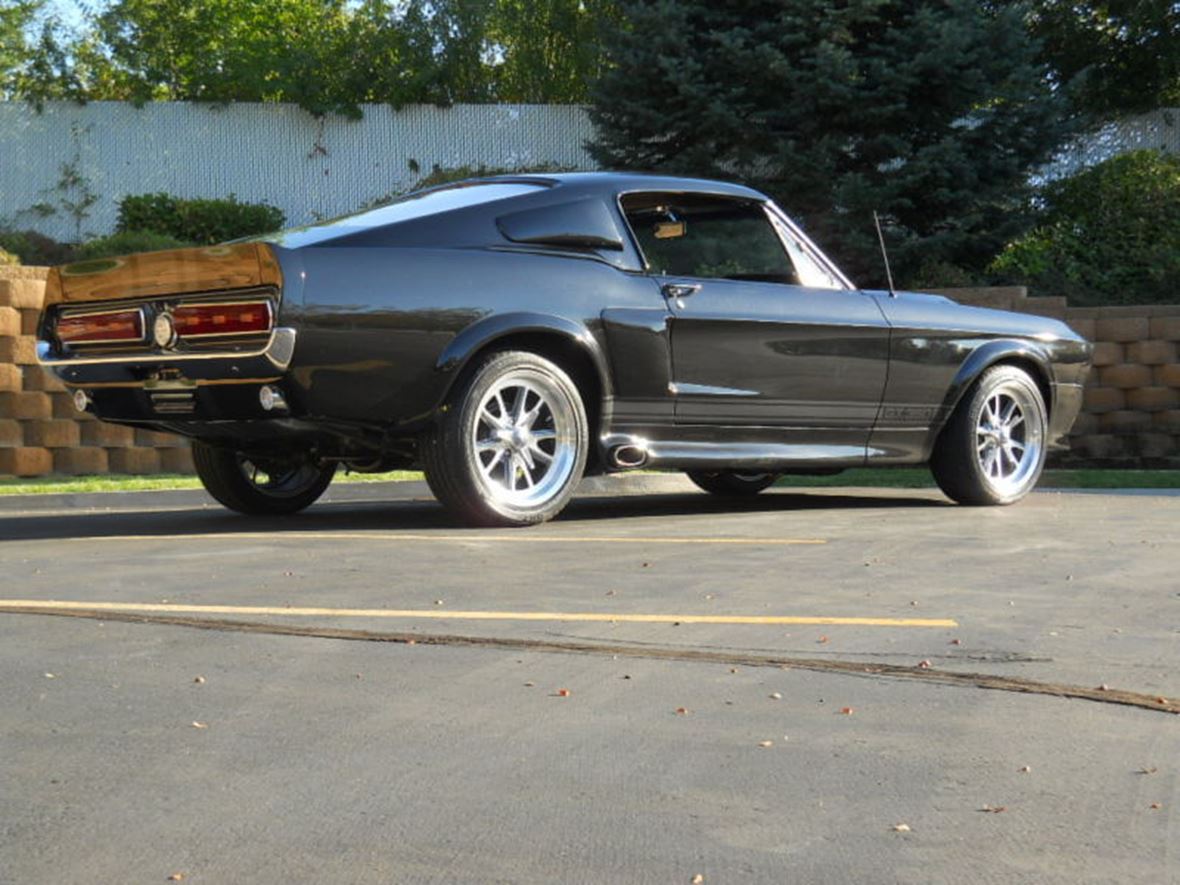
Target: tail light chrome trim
135,314
184,309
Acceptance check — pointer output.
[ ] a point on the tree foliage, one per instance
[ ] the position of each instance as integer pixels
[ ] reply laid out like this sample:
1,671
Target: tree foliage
16,19
1116,57
931,112
1108,235
327,56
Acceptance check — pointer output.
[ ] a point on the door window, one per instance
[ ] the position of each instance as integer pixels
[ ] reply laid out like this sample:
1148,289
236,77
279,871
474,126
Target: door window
695,235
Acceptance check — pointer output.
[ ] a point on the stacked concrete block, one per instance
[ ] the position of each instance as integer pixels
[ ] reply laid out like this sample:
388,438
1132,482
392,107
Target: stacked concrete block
40,430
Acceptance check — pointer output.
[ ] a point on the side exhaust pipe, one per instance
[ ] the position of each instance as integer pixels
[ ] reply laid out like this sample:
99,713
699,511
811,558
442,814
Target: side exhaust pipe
629,456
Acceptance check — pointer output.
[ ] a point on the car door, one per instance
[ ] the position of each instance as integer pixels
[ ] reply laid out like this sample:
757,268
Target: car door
762,334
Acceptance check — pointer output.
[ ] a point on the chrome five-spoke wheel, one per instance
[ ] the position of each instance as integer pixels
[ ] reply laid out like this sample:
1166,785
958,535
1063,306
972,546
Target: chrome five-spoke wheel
1008,446
992,450
524,440
511,444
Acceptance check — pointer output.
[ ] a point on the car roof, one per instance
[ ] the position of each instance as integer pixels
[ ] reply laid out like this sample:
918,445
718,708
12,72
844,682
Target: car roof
601,183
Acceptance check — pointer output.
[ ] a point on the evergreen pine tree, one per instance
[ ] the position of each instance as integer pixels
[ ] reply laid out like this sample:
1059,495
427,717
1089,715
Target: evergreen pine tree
932,112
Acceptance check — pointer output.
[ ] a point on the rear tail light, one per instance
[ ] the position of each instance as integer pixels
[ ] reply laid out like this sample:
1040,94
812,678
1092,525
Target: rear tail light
101,327
236,318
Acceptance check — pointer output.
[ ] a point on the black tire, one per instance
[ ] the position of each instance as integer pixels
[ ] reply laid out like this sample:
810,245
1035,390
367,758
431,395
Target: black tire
992,449
288,486
489,462
732,483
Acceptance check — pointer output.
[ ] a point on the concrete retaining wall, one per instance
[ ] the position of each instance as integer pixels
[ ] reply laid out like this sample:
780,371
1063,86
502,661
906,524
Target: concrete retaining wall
40,430
1131,416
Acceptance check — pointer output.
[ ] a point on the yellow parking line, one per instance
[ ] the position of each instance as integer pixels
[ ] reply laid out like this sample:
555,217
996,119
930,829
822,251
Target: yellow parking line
435,614
450,538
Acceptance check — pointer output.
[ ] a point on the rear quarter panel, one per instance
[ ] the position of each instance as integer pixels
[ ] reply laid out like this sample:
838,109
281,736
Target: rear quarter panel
376,324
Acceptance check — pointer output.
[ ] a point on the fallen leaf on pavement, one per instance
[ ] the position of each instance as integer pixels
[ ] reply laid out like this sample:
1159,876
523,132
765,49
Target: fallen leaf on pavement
822,640
529,684
776,695
955,642
176,877
1025,769
847,711
1156,806
994,809
1151,770
199,725
697,879
682,711
200,680
901,828
50,676
924,665
564,692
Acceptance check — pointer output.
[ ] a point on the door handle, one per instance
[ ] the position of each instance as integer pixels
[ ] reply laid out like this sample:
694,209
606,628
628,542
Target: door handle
679,290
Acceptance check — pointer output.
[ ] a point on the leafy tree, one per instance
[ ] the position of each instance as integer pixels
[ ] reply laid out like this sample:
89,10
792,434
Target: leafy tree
1108,235
327,56
1117,57
16,18
931,112
550,50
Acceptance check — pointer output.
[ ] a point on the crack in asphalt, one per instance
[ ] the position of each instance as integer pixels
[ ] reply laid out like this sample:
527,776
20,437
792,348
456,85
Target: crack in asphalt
1099,694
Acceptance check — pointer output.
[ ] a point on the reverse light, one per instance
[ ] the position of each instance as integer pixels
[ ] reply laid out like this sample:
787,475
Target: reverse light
100,327
235,318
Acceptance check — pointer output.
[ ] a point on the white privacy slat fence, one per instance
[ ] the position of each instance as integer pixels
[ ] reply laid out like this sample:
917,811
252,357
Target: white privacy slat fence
274,153
312,168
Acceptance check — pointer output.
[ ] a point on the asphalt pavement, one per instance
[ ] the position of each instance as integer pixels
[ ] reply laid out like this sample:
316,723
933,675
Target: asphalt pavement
814,686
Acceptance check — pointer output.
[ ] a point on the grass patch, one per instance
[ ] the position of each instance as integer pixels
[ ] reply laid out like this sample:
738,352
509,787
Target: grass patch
81,485
869,477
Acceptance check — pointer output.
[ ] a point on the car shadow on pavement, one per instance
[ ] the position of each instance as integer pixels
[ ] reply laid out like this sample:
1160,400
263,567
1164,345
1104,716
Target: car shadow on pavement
419,515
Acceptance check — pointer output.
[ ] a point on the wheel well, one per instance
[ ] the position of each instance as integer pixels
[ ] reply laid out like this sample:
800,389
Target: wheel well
1036,372
572,358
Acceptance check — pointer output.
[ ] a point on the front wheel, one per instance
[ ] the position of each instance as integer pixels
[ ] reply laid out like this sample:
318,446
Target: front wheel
731,483
260,486
510,446
992,450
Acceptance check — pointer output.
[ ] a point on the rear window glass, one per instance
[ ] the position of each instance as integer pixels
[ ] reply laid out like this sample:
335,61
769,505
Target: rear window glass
404,209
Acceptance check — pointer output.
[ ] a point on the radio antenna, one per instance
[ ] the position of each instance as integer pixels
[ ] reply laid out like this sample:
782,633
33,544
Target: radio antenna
884,255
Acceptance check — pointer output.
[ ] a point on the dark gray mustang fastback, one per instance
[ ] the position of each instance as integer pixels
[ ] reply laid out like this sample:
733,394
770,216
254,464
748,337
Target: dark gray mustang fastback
510,334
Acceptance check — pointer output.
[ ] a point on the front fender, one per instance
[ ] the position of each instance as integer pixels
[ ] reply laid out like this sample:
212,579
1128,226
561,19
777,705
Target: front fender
988,354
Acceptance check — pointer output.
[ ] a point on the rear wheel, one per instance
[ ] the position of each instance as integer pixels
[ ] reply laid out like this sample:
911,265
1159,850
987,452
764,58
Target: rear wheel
260,485
992,450
510,446
732,483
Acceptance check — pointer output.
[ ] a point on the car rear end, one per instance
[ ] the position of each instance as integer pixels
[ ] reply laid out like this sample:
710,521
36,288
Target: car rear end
180,335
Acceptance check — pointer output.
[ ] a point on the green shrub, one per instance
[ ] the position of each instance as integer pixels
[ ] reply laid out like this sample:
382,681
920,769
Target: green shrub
126,243
8,258
35,249
204,222
1108,235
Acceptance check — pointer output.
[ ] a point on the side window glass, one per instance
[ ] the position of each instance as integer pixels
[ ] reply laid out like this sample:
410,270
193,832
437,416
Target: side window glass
811,273
712,237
